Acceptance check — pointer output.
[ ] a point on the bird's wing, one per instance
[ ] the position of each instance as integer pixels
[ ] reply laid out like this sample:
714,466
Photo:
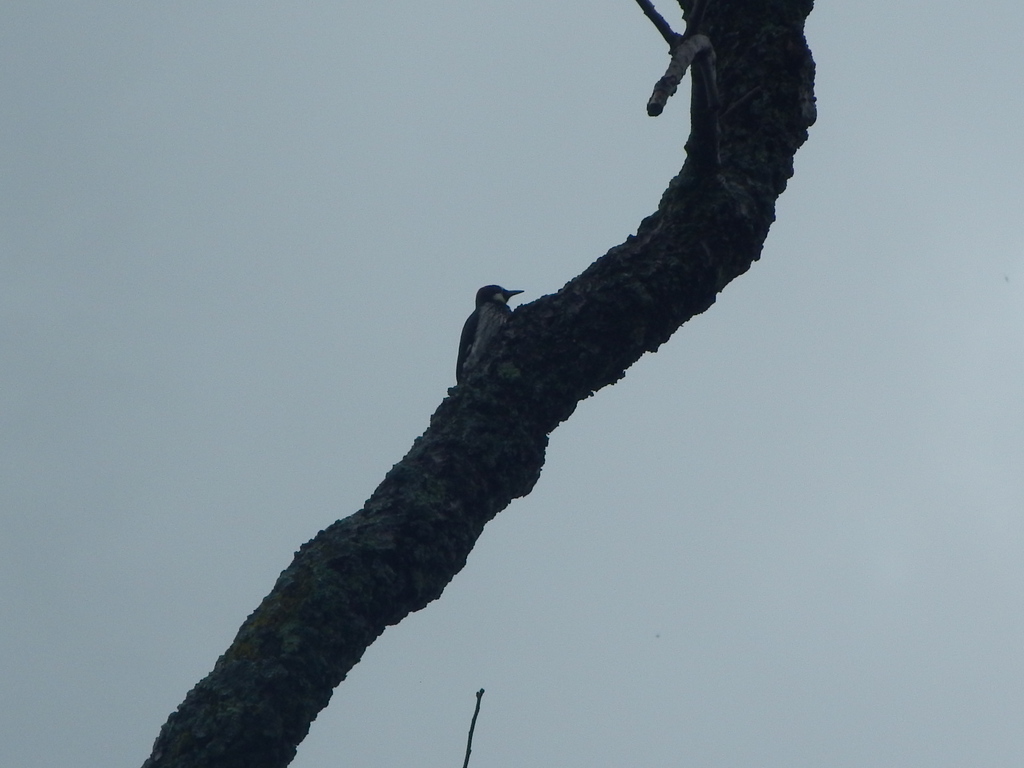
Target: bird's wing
465,342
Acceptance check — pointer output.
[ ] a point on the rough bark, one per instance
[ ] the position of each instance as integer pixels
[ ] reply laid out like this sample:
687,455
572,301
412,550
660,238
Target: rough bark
486,442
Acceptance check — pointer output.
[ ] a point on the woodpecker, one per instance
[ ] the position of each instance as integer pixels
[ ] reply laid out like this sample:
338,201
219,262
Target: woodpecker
491,312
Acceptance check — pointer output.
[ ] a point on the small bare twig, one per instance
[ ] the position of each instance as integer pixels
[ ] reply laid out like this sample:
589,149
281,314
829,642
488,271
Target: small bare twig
472,726
659,21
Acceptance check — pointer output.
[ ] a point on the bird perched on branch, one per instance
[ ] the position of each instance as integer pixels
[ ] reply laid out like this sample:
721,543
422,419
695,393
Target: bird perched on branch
492,311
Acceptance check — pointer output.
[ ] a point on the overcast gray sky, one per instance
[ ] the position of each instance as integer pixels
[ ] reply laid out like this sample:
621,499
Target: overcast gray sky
237,244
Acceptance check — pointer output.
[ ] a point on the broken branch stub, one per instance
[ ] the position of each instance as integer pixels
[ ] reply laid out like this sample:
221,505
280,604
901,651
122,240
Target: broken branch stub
683,55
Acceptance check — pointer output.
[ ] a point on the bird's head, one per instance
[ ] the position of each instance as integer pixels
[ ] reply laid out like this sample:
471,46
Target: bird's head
494,294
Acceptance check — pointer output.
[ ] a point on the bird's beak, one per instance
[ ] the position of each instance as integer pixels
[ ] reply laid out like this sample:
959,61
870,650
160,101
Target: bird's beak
512,293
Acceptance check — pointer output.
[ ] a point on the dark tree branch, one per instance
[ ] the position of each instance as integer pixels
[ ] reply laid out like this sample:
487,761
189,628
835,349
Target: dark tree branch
659,21
486,442
703,145
709,79
472,727
692,48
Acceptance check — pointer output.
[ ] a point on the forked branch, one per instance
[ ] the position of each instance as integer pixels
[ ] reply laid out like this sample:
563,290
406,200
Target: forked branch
690,48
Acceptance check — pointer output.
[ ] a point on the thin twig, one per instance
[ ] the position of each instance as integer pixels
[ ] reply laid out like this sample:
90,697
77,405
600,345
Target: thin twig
472,725
659,21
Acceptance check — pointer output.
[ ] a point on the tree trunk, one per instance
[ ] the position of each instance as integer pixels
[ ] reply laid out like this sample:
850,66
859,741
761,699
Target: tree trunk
485,444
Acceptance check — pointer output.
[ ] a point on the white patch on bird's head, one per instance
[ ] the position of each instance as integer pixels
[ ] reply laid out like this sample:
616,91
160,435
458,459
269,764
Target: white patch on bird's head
500,298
